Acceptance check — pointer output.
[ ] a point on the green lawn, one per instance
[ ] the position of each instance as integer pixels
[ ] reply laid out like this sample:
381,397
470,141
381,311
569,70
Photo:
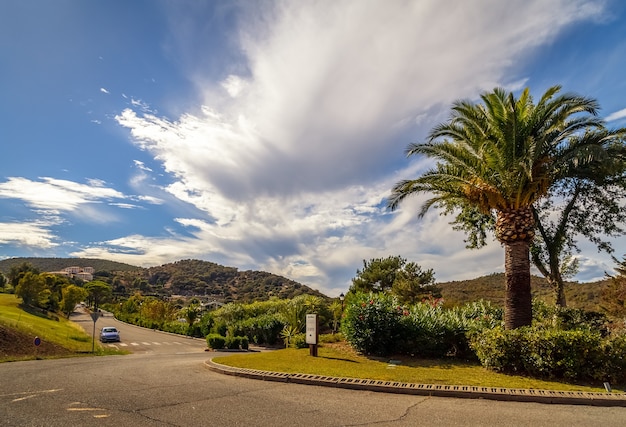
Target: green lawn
337,361
52,328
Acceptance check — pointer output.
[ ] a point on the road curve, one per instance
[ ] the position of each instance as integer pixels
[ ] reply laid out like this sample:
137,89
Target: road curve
159,386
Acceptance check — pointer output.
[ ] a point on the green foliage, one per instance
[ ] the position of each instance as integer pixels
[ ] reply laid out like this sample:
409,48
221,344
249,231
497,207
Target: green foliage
226,284
377,324
32,289
215,341
299,341
72,295
98,291
237,342
58,264
405,280
372,323
289,334
577,354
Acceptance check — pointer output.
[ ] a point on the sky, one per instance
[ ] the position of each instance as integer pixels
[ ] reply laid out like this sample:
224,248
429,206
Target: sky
267,135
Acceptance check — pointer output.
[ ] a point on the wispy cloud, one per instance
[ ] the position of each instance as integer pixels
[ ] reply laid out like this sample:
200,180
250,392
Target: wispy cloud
103,90
616,115
28,234
291,161
55,194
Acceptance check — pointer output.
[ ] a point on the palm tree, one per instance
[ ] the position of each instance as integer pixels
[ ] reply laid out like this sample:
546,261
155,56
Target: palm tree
500,157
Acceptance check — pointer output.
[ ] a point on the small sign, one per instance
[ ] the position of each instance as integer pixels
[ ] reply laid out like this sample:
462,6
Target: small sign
37,341
311,329
95,315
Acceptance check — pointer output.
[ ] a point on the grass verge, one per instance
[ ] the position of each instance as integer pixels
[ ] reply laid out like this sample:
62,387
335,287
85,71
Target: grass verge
340,361
59,336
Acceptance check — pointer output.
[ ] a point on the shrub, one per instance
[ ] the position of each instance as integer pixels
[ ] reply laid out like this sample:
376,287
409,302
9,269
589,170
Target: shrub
546,353
376,324
233,343
371,323
299,341
245,343
331,338
236,342
215,341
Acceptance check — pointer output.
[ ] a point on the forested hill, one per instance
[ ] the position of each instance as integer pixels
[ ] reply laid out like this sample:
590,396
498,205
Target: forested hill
194,277
587,296
186,278
58,264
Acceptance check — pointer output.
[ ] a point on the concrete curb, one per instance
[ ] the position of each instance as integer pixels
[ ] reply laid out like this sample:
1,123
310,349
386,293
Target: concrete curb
465,392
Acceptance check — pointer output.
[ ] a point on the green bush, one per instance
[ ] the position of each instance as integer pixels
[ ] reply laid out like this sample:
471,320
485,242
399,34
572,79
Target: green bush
298,341
372,323
215,341
377,324
245,343
577,354
236,342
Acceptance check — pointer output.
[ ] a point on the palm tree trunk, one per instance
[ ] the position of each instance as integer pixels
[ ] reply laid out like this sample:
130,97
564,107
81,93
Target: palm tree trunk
518,300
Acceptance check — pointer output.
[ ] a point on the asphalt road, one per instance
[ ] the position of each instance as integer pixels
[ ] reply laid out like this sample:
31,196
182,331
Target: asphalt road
169,385
140,340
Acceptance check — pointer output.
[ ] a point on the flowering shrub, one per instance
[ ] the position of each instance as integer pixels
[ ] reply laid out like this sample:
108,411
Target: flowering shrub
371,323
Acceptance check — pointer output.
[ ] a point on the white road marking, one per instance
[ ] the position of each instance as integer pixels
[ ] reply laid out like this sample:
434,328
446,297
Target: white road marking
29,394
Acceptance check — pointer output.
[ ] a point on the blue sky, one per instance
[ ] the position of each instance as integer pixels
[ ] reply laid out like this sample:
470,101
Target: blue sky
267,134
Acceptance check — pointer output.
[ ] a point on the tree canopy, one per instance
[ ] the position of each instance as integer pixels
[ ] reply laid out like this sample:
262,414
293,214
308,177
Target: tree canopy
497,158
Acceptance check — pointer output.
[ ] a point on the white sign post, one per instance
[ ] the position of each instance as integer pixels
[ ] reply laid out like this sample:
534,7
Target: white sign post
311,333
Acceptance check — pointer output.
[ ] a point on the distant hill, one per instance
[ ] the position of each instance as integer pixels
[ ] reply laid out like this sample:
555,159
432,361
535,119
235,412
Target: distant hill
195,277
185,278
491,288
58,264
213,281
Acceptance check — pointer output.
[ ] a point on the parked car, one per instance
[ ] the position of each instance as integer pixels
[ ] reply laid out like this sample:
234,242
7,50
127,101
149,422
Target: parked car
109,334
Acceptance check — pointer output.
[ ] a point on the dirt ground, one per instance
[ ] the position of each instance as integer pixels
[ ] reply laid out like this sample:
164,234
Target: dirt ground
16,344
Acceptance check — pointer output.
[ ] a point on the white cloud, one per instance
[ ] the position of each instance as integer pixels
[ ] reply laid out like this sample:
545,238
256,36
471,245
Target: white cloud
54,197
292,167
616,115
28,234
103,90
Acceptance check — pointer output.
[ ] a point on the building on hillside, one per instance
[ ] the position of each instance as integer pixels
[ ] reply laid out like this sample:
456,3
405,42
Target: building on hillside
83,273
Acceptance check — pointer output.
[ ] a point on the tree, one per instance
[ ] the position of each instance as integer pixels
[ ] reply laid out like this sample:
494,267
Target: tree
613,296
55,284
413,284
498,158
17,272
32,289
98,292
378,274
336,310
585,207
587,204
191,314
72,295
394,274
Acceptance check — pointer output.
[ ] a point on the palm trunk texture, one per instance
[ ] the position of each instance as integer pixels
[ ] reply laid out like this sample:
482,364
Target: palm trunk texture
518,300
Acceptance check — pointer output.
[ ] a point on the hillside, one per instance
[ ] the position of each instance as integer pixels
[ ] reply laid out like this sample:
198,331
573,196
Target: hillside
491,288
185,278
195,277
57,264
